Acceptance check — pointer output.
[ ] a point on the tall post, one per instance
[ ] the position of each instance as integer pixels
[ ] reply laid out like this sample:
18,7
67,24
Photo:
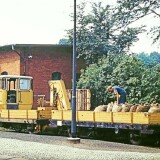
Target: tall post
73,123
21,57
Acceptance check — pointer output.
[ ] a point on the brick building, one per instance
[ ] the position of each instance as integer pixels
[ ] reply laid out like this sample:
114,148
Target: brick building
39,61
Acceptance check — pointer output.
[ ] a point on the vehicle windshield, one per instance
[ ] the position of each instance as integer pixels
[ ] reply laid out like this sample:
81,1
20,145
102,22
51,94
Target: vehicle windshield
16,83
25,84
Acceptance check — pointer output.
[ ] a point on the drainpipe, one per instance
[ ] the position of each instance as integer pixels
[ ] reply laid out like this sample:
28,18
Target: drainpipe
21,57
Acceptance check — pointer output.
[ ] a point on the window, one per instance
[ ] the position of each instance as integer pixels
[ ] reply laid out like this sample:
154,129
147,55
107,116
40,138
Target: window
25,84
3,83
0,83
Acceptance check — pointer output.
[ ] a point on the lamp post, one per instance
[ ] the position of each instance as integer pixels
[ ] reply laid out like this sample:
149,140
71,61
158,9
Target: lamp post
73,123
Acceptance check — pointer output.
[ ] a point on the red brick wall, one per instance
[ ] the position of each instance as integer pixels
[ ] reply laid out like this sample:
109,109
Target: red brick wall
9,62
45,60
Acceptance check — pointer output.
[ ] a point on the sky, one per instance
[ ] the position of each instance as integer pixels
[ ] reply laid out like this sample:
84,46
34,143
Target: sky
46,22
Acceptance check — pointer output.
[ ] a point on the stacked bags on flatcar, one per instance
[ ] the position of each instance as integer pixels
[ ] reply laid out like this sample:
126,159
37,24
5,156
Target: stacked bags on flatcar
101,108
154,108
114,107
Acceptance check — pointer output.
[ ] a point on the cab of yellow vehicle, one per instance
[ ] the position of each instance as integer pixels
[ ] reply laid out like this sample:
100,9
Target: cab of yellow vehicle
16,92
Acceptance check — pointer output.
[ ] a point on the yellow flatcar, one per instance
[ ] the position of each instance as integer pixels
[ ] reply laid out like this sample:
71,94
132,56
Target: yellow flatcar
16,102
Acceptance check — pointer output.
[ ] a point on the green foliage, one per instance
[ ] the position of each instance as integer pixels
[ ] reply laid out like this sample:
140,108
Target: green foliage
64,41
100,32
95,78
129,11
150,85
150,60
141,83
103,39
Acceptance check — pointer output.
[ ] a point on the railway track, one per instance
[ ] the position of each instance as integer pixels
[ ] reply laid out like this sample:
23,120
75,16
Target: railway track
45,138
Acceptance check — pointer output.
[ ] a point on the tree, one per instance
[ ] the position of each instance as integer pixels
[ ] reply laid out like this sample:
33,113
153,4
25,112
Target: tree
140,82
99,32
155,56
128,73
150,84
150,60
95,77
129,11
64,41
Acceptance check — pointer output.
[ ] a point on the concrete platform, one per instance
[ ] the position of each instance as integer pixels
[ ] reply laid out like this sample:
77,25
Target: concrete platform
73,140
5,157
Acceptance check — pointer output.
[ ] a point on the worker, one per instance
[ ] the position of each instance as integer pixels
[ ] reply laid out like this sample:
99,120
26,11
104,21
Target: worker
119,92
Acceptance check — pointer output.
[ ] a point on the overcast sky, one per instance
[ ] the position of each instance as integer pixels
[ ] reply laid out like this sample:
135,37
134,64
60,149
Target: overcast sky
45,22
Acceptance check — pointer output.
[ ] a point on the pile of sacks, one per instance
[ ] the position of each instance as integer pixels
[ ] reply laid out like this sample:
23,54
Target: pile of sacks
154,108
114,107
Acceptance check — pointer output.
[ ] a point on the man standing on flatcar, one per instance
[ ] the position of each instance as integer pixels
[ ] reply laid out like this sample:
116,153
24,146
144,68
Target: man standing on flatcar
119,92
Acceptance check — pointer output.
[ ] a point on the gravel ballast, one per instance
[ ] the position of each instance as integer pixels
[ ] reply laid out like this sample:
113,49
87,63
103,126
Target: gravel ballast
38,147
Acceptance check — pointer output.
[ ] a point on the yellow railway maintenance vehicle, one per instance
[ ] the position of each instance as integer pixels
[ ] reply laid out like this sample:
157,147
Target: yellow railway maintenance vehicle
16,102
16,92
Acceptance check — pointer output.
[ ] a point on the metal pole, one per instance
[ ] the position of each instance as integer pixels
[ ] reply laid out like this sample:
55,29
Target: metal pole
21,57
73,123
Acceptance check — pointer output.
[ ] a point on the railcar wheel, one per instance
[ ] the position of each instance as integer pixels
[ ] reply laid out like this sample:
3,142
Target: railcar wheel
91,134
135,138
153,140
64,131
17,127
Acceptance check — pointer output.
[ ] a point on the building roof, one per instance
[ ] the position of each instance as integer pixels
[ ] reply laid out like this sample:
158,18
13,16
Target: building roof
9,47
